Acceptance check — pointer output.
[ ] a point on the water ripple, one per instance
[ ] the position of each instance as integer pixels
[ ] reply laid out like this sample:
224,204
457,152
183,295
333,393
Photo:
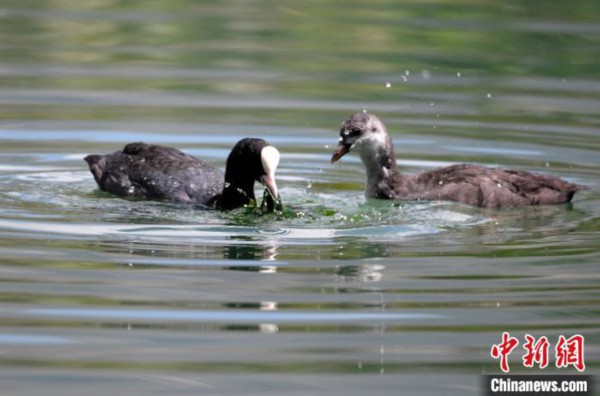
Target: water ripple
234,316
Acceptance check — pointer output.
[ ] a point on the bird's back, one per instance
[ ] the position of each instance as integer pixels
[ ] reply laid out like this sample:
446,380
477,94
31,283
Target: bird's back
156,172
491,187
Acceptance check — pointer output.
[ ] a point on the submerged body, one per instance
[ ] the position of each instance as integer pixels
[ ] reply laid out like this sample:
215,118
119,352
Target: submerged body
470,184
163,173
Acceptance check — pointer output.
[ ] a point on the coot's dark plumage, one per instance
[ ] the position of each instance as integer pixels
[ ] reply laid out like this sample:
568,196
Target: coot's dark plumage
470,184
163,173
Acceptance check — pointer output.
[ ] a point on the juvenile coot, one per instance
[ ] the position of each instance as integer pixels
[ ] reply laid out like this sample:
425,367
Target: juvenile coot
470,184
154,172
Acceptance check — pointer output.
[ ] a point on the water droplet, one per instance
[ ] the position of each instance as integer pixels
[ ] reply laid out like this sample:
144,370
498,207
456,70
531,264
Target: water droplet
131,190
425,74
365,111
327,146
499,185
458,74
431,104
489,95
407,72
440,182
388,85
547,164
309,184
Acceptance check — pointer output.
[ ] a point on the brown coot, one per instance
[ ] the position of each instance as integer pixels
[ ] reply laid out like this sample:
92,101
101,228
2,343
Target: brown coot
155,172
470,184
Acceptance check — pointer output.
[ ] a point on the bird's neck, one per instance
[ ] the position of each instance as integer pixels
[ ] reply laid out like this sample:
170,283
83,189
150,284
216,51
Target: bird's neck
236,194
380,163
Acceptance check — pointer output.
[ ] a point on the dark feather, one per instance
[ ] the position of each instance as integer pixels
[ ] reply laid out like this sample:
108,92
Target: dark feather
163,173
470,184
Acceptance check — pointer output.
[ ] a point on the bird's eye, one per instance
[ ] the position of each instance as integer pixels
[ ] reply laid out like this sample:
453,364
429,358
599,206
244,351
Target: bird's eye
353,133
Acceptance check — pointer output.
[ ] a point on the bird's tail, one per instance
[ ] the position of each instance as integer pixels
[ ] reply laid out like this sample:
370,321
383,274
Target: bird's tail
573,188
96,163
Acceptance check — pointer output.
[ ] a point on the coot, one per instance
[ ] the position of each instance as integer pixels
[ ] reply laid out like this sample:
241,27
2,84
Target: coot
470,184
155,172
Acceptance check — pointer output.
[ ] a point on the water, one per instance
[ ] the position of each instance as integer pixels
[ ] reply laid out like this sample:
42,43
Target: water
337,294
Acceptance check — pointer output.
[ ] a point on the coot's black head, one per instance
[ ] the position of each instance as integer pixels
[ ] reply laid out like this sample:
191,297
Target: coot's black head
251,160
361,131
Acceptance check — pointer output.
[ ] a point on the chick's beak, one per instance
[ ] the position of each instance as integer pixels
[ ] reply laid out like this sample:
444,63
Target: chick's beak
341,150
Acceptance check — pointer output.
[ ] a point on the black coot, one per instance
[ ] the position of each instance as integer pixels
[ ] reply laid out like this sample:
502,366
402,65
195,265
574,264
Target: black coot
470,184
155,172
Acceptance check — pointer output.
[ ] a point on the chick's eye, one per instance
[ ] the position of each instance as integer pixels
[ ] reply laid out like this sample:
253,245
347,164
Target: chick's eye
350,133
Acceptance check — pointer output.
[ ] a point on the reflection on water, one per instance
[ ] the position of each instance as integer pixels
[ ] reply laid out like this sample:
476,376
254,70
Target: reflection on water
238,316
338,293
